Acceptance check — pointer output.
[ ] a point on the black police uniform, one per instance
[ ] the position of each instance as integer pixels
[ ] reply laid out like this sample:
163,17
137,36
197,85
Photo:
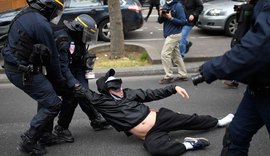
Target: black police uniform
73,69
32,25
247,62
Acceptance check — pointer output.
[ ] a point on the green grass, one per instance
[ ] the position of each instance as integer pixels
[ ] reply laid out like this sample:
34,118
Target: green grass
132,59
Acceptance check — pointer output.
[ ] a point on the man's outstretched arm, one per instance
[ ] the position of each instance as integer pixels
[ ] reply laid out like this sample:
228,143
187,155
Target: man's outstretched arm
182,92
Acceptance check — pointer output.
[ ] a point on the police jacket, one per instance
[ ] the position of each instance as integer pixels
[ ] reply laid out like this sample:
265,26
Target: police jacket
193,7
128,112
248,61
38,28
173,26
72,66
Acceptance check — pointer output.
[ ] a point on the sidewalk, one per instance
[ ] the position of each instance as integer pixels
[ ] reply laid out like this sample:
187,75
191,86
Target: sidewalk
192,61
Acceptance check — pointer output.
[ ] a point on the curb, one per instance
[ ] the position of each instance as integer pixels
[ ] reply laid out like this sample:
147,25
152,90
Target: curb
130,71
156,68
146,70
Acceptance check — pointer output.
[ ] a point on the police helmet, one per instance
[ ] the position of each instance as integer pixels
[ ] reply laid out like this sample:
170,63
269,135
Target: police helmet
52,7
86,24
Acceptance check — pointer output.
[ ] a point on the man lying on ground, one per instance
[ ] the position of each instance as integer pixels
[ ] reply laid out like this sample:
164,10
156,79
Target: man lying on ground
125,111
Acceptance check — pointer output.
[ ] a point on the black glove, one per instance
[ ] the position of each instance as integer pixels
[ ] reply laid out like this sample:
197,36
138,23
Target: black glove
198,78
79,91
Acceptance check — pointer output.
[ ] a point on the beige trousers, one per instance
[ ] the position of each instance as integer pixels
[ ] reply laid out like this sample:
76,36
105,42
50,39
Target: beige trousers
170,51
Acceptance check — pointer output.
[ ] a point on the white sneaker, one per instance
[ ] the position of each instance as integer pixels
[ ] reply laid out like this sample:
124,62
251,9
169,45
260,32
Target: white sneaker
197,143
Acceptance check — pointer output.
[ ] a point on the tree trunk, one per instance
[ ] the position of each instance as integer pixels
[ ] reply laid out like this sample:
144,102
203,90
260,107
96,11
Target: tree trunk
117,48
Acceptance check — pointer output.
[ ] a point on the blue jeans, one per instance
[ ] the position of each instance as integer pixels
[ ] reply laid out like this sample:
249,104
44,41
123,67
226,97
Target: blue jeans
184,39
40,90
252,114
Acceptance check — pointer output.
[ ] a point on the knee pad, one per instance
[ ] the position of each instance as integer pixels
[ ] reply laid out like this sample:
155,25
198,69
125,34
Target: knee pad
54,110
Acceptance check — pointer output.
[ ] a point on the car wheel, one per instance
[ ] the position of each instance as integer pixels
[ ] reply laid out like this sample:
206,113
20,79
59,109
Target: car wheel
3,39
4,26
104,30
231,26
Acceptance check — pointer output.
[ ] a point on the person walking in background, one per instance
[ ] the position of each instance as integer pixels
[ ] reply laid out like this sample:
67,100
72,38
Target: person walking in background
153,3
193,9
173,17
162,2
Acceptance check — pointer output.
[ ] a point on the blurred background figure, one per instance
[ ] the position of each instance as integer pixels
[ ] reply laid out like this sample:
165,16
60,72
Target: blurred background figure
193,9
153,3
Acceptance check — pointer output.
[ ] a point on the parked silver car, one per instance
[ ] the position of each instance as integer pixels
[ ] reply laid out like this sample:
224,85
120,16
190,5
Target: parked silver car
219,15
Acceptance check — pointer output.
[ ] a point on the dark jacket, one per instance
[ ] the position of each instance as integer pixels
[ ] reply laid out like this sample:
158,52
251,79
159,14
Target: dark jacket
128,112
193,7
175,25
249,60
72,66
38,28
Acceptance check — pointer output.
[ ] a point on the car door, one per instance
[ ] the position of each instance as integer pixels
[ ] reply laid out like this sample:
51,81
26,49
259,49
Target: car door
94,8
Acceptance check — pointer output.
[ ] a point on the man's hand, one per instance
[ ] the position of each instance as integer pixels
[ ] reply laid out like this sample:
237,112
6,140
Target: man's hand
169,15
182,92
191,18
79,91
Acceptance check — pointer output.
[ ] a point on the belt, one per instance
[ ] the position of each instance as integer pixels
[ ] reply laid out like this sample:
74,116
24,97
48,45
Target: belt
259,90
15,68
11,67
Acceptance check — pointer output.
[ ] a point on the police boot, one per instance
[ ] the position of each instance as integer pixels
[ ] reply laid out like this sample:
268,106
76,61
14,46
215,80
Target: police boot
30,145
63,133
49,139
98,123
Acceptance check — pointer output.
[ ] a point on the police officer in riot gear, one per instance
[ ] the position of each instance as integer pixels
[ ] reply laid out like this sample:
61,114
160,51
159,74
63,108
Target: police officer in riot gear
247,62
31,47
77,64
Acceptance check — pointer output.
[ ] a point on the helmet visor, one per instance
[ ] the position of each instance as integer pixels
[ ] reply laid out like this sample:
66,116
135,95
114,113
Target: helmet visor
90,36
57,11
56,19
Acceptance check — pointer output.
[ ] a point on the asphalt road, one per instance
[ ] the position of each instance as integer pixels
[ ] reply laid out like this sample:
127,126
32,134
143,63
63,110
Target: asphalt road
17,109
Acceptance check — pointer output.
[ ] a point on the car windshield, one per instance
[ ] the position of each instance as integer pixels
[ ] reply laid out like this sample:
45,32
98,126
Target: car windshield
239,0
84,3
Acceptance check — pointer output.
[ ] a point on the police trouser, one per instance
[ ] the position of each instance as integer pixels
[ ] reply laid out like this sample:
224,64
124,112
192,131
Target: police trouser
158,141
42,91
70,103
252,114
68,108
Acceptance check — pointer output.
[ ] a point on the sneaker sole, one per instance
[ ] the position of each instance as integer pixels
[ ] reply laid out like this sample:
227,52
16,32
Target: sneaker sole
56,142
192,139
171,81
102,128
21,149
180,79
68,140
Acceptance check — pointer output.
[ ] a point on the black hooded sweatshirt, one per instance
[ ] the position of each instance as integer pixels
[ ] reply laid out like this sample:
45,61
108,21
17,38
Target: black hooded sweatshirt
128,112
